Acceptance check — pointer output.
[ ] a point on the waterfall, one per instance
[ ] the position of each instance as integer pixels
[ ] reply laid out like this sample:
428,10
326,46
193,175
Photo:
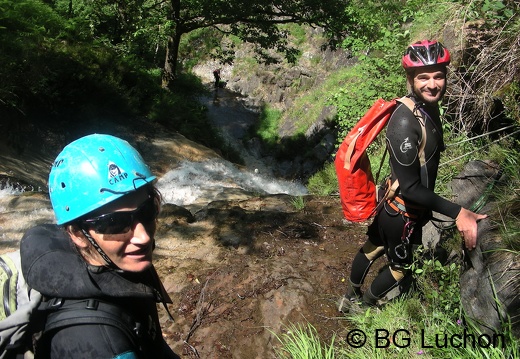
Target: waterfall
192,181
198,182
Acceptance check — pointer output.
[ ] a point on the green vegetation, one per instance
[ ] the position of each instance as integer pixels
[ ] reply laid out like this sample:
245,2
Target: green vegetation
433,312
64,63
324,182
56,74
267,129
303,343
378,42
426,323
298,203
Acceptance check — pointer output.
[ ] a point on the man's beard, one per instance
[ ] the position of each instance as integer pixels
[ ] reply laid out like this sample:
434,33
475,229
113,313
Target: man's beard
419,95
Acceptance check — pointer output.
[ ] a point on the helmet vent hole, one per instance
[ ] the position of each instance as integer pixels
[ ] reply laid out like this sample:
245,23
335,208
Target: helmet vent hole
67,208
63,185
101,149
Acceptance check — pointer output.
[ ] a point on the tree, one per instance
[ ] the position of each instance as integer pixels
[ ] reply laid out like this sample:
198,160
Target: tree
252,21
148,28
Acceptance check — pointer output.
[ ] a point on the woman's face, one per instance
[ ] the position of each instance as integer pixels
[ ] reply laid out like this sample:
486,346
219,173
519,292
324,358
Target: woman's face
124,229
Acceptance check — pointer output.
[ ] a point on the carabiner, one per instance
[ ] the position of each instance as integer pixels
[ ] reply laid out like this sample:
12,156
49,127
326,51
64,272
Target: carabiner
398,251
407,231
401,250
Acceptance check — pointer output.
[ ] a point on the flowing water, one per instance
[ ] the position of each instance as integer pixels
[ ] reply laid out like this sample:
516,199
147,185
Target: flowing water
187,183
212,179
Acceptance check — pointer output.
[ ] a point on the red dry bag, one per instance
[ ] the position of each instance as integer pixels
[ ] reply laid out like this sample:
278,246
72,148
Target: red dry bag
357,189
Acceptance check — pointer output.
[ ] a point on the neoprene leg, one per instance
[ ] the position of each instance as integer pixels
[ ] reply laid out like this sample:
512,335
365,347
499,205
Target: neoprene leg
382,284
362,262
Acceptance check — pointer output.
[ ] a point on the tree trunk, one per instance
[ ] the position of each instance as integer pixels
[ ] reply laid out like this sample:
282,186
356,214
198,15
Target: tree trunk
172,49
170,64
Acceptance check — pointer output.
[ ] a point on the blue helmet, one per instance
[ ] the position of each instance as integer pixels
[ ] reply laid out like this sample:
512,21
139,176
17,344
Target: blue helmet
93,171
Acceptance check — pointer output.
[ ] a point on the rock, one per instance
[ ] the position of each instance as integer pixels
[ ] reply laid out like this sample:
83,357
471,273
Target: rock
489,281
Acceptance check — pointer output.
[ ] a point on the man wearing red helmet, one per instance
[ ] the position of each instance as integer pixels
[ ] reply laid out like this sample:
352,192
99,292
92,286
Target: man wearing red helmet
397,226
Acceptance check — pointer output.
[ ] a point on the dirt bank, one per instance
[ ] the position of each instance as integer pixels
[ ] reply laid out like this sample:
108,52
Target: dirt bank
247,269
237,270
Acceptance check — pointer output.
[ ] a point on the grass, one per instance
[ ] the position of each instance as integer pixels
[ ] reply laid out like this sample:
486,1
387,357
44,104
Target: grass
428,323
324,182
298,203
308,105
267,129
302,342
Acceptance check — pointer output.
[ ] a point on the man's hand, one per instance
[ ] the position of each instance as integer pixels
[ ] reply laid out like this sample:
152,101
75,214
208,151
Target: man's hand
466,223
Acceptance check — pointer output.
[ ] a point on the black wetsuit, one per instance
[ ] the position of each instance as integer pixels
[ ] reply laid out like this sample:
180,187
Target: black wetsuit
416,188
416,182
51,265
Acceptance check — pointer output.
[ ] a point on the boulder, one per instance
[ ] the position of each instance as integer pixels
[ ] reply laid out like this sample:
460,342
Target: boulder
489,280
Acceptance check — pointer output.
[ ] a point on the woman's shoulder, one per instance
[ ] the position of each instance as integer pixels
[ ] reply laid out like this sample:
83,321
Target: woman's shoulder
46,234
49,263
43,239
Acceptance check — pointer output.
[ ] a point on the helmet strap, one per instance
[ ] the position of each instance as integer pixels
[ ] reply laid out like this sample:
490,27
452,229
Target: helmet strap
101,252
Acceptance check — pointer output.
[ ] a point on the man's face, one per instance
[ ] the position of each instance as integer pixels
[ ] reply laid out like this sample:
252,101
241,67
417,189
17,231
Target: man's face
429,83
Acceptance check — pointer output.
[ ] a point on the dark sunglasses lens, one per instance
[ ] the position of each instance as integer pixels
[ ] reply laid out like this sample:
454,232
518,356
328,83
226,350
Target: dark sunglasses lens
147,212
114,223
122,222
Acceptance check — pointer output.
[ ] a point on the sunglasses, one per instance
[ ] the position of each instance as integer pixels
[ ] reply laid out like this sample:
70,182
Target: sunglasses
123,222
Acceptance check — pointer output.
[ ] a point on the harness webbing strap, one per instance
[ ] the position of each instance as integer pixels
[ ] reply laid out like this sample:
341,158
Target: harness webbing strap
69,312
398,205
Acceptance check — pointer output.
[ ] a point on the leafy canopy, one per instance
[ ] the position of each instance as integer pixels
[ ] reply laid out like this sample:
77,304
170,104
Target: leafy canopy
152,29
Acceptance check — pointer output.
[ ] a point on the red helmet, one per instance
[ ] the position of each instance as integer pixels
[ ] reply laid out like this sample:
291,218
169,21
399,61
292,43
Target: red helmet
425,53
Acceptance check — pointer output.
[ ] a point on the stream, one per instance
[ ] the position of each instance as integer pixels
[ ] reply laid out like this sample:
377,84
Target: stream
197,182
211,179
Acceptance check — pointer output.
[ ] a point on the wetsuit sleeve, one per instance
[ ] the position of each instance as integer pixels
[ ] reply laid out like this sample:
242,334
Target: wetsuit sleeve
403,137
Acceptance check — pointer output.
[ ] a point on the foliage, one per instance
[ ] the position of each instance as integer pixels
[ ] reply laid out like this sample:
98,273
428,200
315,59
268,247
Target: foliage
403,329
201,44
299,342
308,105
507,212
324,182
148,28
378,73
57,72
439,285
379,48
495,12
298,203
510,94
284,148
427,323
133,28
482,92
267,128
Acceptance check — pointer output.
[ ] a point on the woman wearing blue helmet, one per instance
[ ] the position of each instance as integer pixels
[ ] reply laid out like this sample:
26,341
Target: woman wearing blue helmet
99,255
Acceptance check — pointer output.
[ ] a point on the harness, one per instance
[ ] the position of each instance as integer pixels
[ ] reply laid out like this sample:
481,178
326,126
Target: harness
390,197
409,212
405,209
